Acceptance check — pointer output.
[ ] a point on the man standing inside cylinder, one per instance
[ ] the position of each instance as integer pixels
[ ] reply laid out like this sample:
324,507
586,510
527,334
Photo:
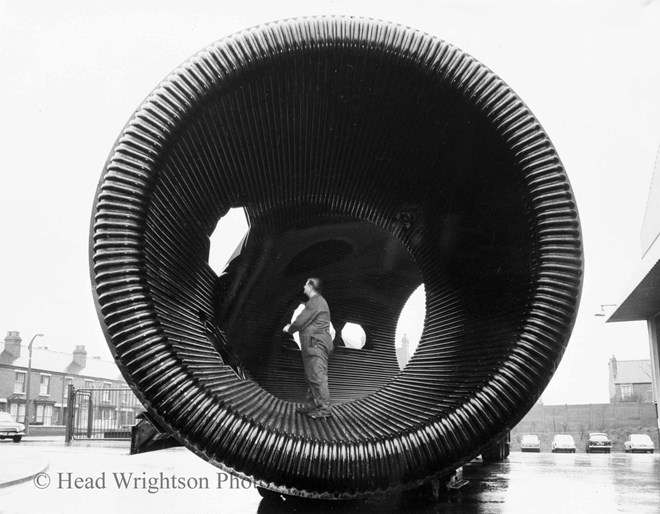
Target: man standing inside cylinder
313,323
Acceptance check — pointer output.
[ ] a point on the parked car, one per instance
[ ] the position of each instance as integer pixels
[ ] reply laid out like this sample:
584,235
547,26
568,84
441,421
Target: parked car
530,443
563,443
641,443
10,429
598,442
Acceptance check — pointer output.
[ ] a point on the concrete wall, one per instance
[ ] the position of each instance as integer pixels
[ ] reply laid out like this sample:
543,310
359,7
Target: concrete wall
44,431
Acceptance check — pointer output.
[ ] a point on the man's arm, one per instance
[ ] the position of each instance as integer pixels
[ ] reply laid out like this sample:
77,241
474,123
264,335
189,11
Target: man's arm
303,319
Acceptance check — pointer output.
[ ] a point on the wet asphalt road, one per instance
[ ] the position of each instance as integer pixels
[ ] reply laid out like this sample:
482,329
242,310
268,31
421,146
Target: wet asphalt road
561,483
525,483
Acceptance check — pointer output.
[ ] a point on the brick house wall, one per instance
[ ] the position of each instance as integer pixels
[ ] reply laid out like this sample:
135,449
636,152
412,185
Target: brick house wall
49,377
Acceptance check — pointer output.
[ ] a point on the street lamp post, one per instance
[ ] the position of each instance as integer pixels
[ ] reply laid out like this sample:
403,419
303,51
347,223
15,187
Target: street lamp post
27,388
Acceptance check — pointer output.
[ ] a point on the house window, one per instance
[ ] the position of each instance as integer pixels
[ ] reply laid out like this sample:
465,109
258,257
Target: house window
108,414
19,382
626,392
106,392
44,387
89,384
67,382
17,412
44,414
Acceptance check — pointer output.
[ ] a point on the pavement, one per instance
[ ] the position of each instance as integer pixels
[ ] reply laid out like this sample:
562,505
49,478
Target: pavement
25,460
24,464
45,475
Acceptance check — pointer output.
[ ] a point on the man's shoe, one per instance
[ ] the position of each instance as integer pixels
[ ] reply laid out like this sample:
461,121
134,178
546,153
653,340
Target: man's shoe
306,409
320,413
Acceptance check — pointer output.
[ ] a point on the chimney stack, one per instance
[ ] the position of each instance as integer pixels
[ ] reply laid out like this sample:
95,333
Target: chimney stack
80,356
13,344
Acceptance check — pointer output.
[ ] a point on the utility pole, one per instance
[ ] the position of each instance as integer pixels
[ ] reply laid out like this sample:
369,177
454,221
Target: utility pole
27,388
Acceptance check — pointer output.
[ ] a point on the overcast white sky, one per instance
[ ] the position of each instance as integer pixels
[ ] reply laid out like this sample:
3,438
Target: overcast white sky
73,72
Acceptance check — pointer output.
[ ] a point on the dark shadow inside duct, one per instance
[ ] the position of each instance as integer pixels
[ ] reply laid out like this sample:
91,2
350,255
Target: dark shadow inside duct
366,274
375,190
394,187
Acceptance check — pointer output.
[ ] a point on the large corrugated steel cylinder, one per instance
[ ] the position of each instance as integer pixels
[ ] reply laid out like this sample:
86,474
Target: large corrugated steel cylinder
378,158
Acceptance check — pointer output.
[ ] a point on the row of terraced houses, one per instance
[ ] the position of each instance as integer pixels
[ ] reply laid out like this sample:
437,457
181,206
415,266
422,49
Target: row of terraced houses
50,375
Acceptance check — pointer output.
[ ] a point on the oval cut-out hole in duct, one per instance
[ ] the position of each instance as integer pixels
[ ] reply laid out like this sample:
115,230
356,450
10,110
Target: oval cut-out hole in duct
226,238
353,336
410,326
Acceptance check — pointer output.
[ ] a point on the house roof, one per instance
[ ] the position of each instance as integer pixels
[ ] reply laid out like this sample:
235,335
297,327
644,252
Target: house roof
633,372
49,361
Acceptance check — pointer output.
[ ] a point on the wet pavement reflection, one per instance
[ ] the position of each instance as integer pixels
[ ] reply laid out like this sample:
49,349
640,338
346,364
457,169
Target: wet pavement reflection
526,483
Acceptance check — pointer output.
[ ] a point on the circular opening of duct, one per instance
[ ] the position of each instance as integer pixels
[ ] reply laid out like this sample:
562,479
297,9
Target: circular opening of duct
353,336
376,158
410,326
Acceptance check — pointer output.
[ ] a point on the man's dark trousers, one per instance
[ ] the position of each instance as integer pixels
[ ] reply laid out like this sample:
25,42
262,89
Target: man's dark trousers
315,355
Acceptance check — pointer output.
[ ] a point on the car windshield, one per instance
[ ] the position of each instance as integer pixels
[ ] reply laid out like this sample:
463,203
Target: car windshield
640,438
5,416
598,437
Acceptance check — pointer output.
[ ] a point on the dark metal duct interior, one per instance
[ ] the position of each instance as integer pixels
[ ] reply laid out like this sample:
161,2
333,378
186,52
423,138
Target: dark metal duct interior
375,157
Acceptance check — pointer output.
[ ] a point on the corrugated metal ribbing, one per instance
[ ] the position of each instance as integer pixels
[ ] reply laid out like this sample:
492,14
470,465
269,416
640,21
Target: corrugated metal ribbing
414,163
